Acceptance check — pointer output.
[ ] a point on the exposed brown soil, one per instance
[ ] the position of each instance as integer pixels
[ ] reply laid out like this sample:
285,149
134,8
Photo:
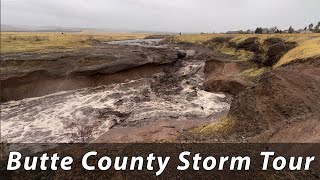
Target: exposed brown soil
162,130
224,76
167,130
39,83
281,107
284,103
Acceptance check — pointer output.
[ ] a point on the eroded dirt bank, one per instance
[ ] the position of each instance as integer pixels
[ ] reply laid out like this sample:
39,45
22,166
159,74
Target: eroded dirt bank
283,106
26,75
40,83
278,105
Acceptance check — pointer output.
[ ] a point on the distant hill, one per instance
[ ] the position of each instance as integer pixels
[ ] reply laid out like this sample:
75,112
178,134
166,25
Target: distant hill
12,28
9,28
17,28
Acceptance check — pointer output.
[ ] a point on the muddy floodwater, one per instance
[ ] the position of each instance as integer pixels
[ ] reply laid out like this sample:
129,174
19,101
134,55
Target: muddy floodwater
139,42
176,95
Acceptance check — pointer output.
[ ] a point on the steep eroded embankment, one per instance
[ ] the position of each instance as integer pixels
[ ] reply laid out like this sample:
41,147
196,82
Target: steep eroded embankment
26,75
283,106
271,104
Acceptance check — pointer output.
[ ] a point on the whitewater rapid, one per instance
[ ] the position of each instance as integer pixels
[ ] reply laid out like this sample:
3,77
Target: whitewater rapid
56,118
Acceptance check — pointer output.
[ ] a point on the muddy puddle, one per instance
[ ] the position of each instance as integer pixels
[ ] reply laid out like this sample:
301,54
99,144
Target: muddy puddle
175,94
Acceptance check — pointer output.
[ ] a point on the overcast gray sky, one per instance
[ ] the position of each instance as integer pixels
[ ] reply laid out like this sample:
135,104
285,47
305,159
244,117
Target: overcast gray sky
162,15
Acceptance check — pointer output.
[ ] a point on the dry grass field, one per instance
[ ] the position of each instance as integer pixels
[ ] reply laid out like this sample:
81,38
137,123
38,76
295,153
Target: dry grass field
12,42
308,45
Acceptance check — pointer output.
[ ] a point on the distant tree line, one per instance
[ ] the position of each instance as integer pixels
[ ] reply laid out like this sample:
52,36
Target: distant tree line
274,30
312,28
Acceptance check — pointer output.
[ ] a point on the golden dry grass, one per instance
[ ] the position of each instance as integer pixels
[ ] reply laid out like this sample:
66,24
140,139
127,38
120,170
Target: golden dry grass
221,126
53,41
253,72
307,49
308,45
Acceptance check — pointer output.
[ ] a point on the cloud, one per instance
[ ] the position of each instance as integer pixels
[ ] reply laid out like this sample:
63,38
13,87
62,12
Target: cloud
161,15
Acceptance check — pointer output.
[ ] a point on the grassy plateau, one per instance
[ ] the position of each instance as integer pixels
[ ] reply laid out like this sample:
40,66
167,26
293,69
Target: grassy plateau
12,42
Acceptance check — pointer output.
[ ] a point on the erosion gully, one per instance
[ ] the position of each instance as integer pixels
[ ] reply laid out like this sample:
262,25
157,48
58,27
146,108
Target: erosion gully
157,107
